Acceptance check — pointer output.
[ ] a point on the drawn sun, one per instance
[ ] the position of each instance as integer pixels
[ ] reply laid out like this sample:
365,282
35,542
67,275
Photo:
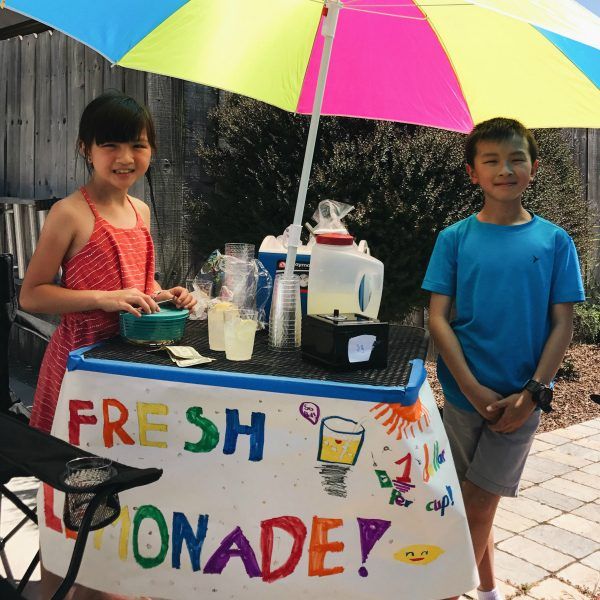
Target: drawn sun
418,554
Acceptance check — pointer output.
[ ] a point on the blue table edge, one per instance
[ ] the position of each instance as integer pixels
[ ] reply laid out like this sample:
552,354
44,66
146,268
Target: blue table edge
405,395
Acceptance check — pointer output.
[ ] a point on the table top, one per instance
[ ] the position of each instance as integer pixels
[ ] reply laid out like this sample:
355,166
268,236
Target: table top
404,375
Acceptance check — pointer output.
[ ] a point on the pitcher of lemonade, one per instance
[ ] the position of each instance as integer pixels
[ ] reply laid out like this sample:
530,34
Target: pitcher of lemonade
343,277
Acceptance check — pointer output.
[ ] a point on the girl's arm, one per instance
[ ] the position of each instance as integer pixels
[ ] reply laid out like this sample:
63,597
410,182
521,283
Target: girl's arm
517,407
450,349
40,294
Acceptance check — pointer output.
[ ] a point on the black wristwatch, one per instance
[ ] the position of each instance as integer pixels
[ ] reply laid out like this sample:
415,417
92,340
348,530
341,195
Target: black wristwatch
541,394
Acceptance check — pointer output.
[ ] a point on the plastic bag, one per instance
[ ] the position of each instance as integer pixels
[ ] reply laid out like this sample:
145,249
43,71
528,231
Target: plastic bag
247,284
329,215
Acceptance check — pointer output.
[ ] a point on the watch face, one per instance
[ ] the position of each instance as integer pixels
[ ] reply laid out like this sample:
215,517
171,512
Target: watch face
534,386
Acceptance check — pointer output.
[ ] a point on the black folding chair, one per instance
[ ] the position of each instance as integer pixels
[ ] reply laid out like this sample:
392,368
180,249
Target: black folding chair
25,451
7,472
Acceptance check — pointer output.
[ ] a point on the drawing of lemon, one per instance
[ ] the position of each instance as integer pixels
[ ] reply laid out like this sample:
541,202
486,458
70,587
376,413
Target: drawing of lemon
418,554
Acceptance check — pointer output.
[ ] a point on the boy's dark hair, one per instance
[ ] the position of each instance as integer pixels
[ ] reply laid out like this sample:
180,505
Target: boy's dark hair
498,129
114,117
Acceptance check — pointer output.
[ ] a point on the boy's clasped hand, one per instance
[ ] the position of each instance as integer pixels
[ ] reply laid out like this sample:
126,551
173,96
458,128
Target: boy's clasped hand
508,414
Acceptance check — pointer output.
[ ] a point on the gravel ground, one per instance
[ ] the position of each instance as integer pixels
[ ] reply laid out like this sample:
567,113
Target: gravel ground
578,379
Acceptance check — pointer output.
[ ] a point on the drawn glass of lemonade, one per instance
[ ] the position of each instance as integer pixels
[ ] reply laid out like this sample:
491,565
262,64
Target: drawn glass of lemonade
340,440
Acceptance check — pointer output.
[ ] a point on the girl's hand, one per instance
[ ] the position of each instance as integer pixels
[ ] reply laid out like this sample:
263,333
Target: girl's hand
181,297
130,300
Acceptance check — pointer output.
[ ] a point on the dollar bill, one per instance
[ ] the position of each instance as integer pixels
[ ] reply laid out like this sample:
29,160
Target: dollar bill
182,352
190,362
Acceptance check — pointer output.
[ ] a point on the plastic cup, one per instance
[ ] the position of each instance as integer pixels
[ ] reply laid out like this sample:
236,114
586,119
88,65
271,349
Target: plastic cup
201,290
240,330
216,322
199,285
240,280
285,320
242,251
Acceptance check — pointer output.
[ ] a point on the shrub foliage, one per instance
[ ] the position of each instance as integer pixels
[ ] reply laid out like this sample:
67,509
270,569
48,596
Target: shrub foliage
406,183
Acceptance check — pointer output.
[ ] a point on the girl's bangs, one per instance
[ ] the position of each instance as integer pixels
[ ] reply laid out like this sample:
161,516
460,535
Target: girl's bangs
123,122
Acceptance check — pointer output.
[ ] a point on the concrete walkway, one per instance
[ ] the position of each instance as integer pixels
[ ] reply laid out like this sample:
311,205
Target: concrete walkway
547,540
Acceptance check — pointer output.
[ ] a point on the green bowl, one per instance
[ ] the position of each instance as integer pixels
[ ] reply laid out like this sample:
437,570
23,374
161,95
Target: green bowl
164,327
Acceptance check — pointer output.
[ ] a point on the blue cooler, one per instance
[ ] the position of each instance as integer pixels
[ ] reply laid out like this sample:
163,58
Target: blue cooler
272,255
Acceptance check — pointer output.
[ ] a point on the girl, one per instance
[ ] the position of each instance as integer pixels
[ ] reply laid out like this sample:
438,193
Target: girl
100,236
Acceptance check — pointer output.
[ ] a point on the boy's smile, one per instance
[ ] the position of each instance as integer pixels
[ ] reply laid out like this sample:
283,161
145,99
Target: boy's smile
503,169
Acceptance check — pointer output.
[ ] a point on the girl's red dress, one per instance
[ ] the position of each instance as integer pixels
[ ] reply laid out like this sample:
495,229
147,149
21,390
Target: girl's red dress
112,259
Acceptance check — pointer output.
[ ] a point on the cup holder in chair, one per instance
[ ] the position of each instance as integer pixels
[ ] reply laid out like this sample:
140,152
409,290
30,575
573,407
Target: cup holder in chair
83,479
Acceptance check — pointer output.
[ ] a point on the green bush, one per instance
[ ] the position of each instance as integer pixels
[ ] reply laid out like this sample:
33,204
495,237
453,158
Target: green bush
567,370
406,183
586,325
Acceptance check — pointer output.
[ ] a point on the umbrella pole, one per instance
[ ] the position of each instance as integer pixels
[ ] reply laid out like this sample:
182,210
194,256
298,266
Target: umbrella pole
331,11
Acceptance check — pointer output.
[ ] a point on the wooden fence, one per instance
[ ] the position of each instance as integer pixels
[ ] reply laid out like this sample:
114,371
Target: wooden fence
47,79
586,153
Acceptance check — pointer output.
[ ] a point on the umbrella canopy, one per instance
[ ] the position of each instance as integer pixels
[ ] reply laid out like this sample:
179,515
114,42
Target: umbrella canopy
431,62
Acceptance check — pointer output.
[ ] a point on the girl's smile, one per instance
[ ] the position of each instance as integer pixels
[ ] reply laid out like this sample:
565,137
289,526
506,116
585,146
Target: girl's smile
120,163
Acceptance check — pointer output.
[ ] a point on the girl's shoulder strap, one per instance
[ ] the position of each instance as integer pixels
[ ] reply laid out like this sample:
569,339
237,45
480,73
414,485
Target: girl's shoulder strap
85,194
138,216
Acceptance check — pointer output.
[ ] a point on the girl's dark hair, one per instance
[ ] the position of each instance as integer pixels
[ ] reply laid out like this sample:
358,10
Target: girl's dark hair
114,117
498,129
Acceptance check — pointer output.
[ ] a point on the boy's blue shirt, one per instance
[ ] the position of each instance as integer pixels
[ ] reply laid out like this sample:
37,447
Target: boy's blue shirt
504,279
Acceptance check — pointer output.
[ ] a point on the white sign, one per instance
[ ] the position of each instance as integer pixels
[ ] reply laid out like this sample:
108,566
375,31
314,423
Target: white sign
264,495
360,348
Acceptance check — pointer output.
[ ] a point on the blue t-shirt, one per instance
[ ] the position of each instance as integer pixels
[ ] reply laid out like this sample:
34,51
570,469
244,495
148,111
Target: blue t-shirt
504,279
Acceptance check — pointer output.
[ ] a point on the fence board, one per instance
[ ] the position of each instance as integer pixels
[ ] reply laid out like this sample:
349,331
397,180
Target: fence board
112,77
75,104
13,104
43,144
62,149
165,97
578,140
27,117
198,101
93,74
134,85
4,56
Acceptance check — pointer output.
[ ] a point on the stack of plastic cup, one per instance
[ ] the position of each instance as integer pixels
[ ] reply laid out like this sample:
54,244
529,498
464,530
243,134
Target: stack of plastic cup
285,321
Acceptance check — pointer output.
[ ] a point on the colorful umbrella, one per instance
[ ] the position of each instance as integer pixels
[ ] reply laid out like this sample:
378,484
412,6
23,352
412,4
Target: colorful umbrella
441,63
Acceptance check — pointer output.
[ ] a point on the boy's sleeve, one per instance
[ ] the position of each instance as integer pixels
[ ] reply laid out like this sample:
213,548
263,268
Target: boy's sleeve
440,277
567,285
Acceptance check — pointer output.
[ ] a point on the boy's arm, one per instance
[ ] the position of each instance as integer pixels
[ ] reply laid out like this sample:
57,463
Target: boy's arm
517,407
450,349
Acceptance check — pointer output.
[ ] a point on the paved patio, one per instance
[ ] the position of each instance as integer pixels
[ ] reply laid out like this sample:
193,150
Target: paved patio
547,540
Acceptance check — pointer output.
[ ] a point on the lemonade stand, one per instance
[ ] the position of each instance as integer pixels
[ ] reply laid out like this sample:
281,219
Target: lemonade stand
280,477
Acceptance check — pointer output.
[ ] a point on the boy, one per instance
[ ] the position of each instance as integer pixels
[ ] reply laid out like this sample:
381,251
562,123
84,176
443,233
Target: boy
513,277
